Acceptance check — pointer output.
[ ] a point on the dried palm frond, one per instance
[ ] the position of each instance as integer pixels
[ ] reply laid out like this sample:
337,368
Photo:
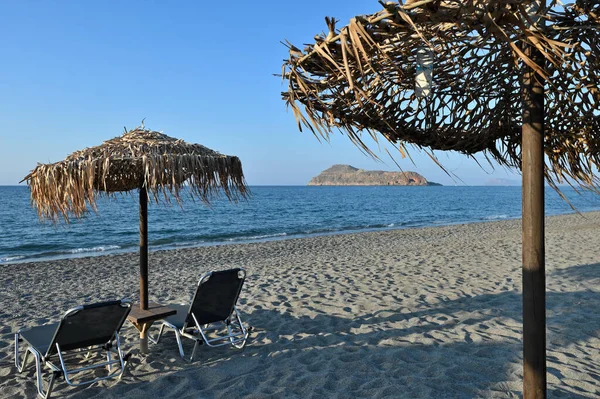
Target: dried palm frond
360,79
139,158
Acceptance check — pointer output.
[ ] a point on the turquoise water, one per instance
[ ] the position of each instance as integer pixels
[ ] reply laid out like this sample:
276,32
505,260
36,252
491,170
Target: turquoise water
271,213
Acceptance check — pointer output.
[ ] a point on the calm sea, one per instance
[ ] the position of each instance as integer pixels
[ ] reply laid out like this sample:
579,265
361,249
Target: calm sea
271,213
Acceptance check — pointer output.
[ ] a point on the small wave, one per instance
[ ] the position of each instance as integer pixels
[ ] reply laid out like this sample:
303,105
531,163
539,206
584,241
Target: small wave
261,237
93,249
11,258
187,244
348,229
59,254
496,217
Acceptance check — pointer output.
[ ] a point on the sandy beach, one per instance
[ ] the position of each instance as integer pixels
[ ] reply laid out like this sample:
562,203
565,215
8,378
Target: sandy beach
417,313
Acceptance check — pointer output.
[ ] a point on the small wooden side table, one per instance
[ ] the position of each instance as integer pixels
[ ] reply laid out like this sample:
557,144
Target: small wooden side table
143,319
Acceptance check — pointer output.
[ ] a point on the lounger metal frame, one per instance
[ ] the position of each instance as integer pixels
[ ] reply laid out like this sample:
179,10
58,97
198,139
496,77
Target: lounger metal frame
236,336
49,358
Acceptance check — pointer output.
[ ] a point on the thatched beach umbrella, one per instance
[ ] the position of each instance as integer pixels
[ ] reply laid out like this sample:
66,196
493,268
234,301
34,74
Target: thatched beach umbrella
514,79
151,162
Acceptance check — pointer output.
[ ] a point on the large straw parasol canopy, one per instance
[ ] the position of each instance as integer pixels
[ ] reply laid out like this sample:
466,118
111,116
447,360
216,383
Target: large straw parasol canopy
446,75
138,159
514,79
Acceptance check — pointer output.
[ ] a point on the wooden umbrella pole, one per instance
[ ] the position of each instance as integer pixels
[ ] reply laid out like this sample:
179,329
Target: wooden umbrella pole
534,279
143,248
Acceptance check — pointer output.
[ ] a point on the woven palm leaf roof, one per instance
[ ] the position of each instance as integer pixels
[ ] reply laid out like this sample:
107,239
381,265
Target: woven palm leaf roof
360,79
139,158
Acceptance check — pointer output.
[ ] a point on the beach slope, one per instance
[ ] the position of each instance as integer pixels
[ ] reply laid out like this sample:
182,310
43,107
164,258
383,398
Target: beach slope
416,313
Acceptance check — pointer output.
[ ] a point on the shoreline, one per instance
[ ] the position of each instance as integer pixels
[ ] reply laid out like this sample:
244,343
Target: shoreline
276,237
411,313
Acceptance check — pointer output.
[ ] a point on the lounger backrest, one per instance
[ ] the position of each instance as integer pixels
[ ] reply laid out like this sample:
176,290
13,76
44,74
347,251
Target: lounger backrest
88,325
216,295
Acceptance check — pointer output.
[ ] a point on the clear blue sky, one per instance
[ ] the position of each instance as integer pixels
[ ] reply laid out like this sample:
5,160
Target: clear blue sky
73,73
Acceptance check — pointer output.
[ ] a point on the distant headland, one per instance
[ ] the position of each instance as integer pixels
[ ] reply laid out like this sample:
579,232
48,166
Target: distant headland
346,175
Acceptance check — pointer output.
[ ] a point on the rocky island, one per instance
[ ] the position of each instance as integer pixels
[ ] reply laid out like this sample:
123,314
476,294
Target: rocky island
346,175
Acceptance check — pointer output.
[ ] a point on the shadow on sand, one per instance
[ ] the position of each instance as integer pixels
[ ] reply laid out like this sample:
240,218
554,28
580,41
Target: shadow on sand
464,348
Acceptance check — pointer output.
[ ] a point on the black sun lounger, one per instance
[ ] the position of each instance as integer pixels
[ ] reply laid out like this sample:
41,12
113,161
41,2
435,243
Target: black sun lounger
212,317
81,331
